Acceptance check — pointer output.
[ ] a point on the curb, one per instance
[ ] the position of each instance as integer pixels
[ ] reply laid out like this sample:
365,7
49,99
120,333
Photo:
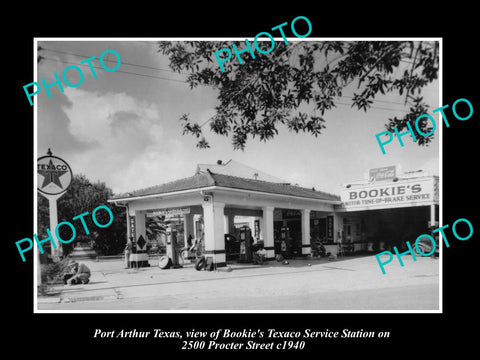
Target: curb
48,299
87,298
73,299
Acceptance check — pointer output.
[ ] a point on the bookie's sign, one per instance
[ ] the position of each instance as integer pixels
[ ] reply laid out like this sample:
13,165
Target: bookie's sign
411,192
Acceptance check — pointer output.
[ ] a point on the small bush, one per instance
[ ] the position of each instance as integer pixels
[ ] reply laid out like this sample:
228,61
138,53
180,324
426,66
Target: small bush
45,290
53,273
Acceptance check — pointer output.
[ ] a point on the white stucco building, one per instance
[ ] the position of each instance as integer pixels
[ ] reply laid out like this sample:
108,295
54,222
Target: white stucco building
367,212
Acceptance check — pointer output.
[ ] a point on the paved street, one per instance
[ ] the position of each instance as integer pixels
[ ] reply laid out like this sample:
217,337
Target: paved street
347,284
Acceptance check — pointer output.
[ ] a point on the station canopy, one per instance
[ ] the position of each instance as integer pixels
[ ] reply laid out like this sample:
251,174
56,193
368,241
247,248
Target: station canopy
209,179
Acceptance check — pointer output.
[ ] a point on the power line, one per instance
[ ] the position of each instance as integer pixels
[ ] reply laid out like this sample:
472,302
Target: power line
176,80
117,71
123,62
376,100
152,67
183,81
375,107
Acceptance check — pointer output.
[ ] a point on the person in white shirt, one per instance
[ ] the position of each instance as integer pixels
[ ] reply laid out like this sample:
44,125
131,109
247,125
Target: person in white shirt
259,256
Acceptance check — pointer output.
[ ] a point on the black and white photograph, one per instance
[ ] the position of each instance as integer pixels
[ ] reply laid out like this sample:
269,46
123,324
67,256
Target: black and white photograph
261,187
200,183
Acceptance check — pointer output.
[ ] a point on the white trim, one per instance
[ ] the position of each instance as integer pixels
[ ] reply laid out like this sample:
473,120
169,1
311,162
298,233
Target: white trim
162,194
335,202
281,195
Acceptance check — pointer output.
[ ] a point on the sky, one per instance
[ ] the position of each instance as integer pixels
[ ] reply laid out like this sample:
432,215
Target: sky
123,127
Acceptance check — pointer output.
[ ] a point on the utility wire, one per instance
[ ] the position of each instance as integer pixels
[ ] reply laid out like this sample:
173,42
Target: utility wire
375,107
149,67
123,62
117,71
376,100
183,81
156,68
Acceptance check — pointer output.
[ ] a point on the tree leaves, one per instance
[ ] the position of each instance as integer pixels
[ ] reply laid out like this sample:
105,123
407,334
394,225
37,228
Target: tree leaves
81,197
189,128
203,144
424,125
259,95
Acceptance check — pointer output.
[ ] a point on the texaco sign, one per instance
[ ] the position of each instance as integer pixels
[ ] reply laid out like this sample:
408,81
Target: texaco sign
54,175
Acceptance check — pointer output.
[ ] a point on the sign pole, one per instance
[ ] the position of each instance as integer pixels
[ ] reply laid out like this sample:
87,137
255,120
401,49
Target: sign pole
37,266
52,206
54,179
53,217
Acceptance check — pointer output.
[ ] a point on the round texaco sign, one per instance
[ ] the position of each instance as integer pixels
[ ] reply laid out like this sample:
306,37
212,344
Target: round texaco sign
54,175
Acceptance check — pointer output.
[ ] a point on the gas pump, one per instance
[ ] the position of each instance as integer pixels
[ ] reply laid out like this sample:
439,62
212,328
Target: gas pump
284,241
245,237
172,247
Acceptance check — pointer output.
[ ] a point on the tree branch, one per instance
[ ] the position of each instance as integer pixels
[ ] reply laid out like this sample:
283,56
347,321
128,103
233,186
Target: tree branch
375,65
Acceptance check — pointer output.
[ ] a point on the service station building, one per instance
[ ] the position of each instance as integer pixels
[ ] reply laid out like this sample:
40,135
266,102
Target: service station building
231,200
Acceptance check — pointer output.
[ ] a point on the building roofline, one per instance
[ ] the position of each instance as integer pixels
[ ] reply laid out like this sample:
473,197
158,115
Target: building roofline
216,187
209,180
148,196
281,195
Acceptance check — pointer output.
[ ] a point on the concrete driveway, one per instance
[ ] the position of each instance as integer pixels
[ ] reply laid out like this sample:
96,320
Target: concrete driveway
316,285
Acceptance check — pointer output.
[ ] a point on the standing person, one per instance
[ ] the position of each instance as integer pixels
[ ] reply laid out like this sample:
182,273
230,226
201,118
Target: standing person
321,249
199,245
128,251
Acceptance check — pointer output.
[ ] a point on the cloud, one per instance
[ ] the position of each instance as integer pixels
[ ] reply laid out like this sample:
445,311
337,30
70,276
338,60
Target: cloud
108,118
128,147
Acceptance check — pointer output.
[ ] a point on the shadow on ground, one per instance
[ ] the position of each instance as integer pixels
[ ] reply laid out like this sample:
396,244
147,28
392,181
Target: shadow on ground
295,263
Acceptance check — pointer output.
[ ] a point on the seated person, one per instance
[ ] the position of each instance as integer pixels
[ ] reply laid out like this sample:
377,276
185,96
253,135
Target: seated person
321,249
259,256
78,273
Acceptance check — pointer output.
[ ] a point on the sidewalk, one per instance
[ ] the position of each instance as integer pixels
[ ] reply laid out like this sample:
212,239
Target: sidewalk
109,275
110,281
